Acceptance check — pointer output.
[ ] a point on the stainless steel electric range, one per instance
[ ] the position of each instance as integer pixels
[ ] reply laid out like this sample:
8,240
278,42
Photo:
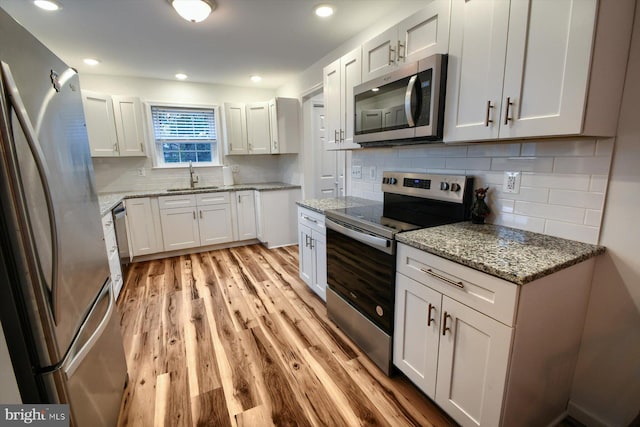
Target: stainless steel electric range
361,252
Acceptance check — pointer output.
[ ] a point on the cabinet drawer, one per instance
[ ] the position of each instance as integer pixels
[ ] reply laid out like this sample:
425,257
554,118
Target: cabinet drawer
111,243
212,198
494,297
184,201
311,219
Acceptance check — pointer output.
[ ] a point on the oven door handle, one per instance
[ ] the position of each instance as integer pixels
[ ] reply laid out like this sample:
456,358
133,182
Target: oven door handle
379,243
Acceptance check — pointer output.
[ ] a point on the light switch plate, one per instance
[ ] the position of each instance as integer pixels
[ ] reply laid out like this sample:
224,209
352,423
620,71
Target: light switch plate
511,182
372,173
356,171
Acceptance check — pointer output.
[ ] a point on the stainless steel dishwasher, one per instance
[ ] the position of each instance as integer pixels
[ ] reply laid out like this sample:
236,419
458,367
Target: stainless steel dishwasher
120,224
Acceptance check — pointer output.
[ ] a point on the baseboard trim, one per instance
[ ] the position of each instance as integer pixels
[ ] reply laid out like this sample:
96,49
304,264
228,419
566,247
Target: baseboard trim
194,250
584,416
557,420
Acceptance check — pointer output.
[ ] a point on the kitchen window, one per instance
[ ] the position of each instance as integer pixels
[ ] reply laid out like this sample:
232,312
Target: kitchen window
185,134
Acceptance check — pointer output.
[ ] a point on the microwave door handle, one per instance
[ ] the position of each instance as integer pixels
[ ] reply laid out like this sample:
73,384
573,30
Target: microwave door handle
407,101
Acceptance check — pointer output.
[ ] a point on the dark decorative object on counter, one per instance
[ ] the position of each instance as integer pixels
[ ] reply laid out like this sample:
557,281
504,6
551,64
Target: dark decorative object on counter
479,208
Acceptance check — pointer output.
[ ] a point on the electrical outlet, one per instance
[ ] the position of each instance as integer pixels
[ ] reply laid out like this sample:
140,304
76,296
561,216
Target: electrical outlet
356,171
372,173
235,168
511,182
142,172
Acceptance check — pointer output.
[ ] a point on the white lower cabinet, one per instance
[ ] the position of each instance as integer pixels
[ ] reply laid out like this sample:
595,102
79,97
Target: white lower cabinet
276,217
215,224
143,226
312,246
487,351
180,228
111,245
245,209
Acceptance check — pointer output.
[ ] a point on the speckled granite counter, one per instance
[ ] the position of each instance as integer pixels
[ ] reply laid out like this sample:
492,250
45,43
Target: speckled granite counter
508,253
109,200
321,205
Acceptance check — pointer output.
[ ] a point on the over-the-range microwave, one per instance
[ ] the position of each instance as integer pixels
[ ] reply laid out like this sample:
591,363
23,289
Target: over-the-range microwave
405,106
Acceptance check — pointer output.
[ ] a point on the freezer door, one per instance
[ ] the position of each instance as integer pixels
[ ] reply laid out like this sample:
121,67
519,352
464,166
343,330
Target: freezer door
55,173
96,369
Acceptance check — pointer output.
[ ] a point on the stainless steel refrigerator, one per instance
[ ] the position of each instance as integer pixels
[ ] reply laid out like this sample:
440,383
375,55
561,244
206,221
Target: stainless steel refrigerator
56,299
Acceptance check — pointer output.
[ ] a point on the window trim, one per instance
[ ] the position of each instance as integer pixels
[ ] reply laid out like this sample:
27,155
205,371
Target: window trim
156,155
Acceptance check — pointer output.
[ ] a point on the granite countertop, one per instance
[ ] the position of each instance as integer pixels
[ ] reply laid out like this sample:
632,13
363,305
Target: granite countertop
515,255
322,205
109,200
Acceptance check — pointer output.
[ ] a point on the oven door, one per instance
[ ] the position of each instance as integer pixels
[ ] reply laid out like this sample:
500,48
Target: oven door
362,274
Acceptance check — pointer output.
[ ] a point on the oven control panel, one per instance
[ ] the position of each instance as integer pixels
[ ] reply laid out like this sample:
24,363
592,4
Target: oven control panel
433,186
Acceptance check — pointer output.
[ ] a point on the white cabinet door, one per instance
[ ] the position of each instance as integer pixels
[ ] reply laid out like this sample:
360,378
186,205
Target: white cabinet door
215,224
235,124
415,341
273,125
547,67
477,45
350,76
318,243
332,104
284,119
258,133
141,228
306,255
472,365
424,33
179,228
379,54
246,215
98,113
129,121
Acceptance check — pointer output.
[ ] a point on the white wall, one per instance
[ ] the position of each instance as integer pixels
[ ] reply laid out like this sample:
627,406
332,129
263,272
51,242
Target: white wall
121,174
606,389
563,182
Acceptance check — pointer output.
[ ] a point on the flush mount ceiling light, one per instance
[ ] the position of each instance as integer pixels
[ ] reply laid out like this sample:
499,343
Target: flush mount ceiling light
193,10
91,61
324,10
256,79
181,76
50,5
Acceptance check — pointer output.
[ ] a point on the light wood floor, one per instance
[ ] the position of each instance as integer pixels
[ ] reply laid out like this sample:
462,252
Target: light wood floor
235,338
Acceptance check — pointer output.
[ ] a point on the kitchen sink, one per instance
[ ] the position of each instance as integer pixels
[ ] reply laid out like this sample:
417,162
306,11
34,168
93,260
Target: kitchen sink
212,187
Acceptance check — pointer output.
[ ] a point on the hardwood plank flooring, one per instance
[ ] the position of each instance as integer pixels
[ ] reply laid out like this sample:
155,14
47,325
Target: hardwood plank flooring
234,338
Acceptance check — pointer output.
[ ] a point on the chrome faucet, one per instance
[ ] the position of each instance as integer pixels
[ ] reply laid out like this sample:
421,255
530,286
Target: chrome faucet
192,176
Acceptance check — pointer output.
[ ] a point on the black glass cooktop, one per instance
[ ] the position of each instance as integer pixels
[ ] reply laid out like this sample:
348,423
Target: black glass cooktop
371,218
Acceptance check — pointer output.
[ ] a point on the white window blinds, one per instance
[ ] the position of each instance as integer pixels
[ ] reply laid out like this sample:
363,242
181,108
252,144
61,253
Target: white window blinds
183,124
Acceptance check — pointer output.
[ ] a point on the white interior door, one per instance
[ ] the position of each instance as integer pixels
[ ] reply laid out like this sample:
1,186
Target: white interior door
326,180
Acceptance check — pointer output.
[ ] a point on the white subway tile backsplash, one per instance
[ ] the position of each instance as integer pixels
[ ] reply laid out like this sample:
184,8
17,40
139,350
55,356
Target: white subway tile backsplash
561,181
493,150
524,164
466,163
582,165
558,148
567,230
562,187
593,218
579,199
541,210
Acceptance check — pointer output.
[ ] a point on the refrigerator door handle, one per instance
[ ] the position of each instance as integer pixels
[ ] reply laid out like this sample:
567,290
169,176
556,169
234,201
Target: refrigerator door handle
43,172
74,357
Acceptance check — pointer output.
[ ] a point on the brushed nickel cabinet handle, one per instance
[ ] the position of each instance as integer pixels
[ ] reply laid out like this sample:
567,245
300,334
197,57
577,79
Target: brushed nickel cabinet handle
341,135
398,47
194,214
335,136
429,319
506,116
487,120
445,328
200,214
392,56
444,279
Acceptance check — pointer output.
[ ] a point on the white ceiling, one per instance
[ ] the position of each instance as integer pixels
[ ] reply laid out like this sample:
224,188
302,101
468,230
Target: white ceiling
277,39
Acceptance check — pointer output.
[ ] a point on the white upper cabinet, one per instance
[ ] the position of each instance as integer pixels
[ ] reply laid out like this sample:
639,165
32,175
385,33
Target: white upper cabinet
284,117
114,125
235,126
529,68
258,130
340,77
422,34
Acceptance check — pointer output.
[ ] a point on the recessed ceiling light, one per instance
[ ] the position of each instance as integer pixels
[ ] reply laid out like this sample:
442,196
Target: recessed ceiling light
324,10
193,10
181,76
91,61
375,89
256,79
49,5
